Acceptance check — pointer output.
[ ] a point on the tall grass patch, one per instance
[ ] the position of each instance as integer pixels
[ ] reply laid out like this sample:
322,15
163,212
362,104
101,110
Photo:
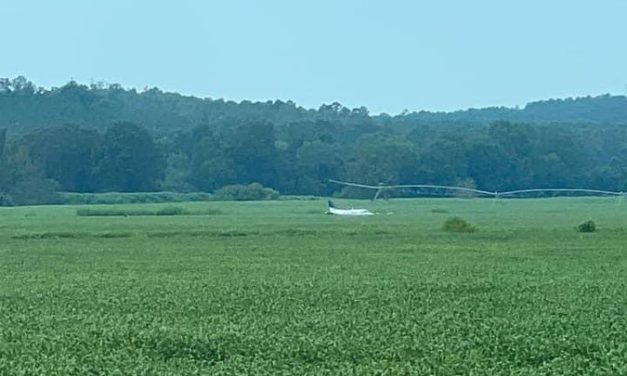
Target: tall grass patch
130,212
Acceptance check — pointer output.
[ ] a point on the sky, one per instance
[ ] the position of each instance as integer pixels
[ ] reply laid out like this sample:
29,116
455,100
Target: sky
389,55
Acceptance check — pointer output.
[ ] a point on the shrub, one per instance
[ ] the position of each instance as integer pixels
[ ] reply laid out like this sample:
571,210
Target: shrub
34,191
587,226
6,200
456,224
240,192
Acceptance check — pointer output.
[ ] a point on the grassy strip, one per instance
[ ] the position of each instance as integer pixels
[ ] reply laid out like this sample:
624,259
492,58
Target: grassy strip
126,212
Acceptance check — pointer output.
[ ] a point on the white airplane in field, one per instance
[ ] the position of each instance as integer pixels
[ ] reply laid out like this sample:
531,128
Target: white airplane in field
347,212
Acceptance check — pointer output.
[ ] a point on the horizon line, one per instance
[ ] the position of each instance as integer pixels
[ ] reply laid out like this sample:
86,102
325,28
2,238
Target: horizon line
93,85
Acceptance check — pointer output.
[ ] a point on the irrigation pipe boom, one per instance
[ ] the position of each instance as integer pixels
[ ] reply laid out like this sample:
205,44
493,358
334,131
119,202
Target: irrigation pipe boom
380,188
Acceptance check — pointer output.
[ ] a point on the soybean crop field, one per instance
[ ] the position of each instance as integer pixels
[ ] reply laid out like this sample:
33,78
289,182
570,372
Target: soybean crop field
279,288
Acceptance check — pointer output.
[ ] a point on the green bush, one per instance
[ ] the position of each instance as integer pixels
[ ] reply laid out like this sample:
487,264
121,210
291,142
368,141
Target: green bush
587,226
34,190
240,192
6,200
456,224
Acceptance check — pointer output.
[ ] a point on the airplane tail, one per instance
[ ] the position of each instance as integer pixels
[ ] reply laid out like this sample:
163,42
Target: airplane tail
331,204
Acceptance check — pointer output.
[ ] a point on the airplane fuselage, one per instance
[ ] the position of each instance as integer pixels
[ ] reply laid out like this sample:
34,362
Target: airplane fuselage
350,212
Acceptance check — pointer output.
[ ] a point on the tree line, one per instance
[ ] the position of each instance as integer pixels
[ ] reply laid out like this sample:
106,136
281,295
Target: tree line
24,106
294,152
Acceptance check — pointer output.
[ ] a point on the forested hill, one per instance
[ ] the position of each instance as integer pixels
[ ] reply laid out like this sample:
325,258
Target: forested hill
24,106
604,109
103,138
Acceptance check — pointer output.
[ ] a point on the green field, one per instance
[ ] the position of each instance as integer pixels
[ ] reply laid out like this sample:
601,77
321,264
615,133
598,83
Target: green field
270,288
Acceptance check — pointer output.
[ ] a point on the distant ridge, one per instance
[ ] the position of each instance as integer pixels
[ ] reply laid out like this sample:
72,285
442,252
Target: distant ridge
603,109
25,106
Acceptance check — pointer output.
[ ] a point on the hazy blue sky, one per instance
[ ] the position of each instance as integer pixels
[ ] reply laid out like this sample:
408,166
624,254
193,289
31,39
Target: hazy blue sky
387,55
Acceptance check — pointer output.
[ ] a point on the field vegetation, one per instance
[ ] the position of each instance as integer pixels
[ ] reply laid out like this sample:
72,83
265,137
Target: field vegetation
276,287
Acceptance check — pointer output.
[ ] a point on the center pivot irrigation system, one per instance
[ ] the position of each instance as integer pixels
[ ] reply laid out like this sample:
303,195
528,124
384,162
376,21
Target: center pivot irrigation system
380,188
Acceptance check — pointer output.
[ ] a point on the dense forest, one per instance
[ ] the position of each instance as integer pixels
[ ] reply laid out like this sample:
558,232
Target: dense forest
104,138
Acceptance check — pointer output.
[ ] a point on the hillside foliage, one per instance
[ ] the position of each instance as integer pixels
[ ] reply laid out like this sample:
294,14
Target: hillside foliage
103,138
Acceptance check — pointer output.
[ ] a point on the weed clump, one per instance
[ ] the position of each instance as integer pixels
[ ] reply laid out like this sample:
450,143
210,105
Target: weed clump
457,224
587,226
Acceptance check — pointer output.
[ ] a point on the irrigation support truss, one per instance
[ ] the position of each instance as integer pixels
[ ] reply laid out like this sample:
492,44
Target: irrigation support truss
380,188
